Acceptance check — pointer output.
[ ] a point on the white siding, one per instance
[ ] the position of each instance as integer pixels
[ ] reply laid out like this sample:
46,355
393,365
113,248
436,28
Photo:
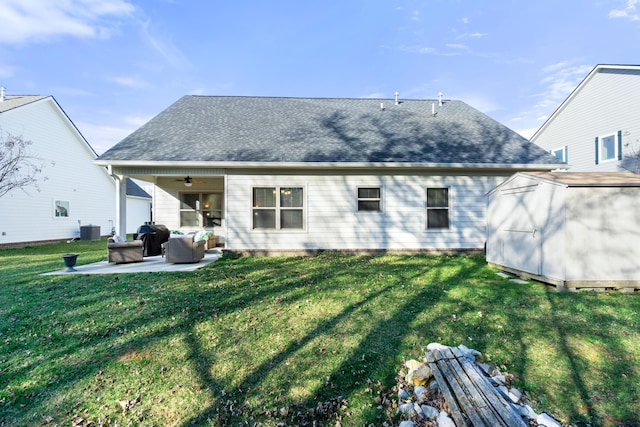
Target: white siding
582,233
332,220
606,103
603,231
138,212
68,175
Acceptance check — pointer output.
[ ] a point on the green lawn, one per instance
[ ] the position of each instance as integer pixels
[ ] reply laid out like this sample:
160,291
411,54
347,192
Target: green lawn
293,339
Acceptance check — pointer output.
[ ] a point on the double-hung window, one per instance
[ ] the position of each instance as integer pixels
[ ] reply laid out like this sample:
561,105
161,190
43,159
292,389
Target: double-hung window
609,147
437,208
278,208
200,209
369,199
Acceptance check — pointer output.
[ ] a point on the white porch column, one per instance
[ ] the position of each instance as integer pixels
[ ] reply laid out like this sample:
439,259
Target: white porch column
121,206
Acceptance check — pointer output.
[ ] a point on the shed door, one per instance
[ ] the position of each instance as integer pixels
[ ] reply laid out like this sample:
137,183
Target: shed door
522,248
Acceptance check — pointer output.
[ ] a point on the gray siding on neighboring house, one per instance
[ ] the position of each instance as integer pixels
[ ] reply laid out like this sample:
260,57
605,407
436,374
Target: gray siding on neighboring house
605,103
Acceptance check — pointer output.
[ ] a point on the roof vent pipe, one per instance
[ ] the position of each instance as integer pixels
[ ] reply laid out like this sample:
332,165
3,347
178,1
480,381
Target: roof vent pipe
2,89
396,94
440,99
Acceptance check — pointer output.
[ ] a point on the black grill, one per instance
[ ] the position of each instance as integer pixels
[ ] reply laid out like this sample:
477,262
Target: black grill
152,236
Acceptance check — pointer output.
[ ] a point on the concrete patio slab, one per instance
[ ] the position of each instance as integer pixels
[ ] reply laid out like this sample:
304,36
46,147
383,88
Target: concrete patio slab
152,264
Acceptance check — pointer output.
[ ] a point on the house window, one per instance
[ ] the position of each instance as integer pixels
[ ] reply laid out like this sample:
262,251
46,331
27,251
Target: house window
200,210
278,208
61,208
437,208
369,199
561,153
608,147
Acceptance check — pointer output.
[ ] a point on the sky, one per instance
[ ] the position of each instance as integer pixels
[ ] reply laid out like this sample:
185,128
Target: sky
112,65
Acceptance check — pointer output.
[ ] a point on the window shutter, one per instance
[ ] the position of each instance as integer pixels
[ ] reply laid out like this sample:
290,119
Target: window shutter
596,150
619,145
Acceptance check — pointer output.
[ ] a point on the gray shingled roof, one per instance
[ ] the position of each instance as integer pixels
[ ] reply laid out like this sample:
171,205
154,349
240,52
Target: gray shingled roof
293,130
133,189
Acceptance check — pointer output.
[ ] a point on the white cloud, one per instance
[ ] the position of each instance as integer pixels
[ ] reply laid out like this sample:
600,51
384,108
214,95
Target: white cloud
527,133
561,80
129,81
629,12
163,44
40,21
423,50
103,137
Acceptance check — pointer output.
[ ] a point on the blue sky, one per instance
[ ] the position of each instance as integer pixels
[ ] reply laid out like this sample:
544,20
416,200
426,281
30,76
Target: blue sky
114,64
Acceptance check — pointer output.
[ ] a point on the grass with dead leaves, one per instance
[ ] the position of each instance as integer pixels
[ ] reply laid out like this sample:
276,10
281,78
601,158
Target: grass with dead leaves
293,340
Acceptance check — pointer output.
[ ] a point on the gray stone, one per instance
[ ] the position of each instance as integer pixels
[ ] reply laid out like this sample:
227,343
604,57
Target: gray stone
405,408
402,394
515,395
519,281
500,378
528,411
444,420
436,346
418,410
487,369
420,392
406,424
471,351
504,275
434,387
429,411
547,420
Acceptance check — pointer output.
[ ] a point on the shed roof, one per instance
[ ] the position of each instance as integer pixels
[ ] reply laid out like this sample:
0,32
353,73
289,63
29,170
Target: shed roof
253,130
589,179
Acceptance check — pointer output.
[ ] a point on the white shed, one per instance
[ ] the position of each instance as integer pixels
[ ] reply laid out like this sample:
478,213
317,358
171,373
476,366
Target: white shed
570,229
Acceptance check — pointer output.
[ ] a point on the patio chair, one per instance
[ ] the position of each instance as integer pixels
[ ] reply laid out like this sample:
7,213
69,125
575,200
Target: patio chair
183,250
124,252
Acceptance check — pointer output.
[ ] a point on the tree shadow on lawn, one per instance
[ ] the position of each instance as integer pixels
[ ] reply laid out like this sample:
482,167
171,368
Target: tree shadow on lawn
409,302
376,357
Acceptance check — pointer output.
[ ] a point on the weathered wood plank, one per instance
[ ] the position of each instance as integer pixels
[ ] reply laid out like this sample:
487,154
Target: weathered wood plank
477,398
459,393
456,413
503,408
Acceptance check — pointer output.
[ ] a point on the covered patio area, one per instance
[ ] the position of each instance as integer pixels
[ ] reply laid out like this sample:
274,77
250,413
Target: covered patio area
151,264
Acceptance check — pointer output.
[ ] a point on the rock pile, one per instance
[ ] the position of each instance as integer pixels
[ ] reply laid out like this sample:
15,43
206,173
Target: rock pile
416,401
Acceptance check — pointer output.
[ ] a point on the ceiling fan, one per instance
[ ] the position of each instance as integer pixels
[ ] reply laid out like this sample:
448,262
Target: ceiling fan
188,181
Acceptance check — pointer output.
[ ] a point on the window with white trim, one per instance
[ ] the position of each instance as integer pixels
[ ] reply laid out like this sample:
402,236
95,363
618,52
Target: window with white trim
561,153
369,199
61,208
202,210
278,208
437,208
609,147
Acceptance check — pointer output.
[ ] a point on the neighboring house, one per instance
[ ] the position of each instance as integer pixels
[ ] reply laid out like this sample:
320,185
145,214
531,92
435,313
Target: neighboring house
138,207
597,128
571,229
71,192
301,174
